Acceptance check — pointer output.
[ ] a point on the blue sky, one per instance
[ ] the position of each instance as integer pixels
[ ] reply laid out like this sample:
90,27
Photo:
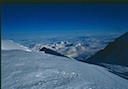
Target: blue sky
91,18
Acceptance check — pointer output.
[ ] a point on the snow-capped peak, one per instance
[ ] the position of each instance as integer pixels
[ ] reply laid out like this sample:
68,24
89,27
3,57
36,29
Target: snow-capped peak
11,45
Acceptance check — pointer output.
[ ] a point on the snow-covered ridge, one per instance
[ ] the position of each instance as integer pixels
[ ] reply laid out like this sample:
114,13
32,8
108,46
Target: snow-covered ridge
11,45
114,53
33,70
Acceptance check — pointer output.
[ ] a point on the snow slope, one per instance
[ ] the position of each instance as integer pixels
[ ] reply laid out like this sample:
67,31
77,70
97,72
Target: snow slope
32,70
117,69
114,53
11,45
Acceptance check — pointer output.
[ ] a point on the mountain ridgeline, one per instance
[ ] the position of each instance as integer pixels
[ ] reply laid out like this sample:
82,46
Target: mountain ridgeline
114,53
49,51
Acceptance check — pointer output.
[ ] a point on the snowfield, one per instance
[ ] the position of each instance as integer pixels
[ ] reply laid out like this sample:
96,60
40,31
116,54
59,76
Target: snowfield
32,70
11,45
36,70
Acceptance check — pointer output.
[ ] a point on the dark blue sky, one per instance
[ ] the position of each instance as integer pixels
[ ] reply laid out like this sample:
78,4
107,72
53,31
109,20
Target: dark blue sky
64,17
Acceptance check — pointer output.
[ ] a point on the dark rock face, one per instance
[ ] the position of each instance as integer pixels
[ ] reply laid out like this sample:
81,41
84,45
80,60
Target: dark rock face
114,53
49,51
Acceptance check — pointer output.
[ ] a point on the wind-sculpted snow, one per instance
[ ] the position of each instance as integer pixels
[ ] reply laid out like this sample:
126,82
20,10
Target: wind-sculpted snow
11,45
32,70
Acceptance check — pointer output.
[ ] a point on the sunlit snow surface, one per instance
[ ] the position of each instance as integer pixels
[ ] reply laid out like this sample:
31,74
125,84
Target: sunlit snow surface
11,45
31,70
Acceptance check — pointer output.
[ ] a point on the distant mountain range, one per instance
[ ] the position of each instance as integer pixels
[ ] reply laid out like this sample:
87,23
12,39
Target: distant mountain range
79,48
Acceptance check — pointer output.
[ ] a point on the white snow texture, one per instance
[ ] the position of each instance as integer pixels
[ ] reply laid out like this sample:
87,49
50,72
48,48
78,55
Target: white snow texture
32,70
11,45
